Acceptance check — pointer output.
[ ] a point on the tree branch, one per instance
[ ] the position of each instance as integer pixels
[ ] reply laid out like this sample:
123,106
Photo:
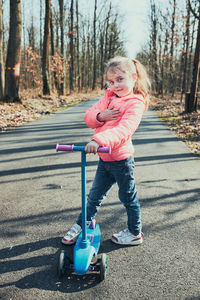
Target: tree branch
193,12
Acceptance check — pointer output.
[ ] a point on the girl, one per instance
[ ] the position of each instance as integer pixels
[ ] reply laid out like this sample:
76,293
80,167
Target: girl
115,117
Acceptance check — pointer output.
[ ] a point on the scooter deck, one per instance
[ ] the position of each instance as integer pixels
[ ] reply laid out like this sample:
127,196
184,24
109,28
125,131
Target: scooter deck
84,252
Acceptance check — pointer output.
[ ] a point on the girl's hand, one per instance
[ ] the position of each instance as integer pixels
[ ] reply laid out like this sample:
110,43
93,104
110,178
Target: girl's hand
91,147
108,115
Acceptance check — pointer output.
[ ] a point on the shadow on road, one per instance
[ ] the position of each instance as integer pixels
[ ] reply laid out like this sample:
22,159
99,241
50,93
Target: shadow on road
45,279
42,256
47,127
161,159
44,168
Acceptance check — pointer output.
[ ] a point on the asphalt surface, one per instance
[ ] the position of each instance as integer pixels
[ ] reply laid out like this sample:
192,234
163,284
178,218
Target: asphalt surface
40,198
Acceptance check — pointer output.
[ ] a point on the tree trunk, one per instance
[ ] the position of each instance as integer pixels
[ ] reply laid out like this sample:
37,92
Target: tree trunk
166,63
154,45
55,80
84,64
62,48
186,54
45,56
88,58
106,33
2,83
31,35
71,69
95,48
52,34
189,74
195,74
160,91
102,58
40,27
13,59
171,74
77,46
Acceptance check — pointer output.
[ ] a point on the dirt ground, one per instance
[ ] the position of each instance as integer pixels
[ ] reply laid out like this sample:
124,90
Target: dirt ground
34,105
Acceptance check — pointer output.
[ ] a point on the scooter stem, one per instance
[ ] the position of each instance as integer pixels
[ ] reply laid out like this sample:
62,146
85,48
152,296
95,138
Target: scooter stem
84,242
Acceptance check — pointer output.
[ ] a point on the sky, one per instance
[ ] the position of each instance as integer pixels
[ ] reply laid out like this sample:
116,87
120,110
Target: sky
135,19
136,24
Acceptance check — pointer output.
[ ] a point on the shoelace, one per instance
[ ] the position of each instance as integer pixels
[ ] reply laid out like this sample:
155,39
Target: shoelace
124,232
72,232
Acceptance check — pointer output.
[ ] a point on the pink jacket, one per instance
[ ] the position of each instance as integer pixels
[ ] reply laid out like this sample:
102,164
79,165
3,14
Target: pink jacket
116,133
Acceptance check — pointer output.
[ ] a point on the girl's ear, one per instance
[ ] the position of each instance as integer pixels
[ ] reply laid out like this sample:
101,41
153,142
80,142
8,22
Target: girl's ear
134,76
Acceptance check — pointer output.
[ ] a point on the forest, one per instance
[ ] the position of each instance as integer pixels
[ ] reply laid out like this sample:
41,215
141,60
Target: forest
65,55
65,49
68,50
173,50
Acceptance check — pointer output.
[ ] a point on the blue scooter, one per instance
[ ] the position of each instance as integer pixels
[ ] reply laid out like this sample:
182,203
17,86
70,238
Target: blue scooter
88,242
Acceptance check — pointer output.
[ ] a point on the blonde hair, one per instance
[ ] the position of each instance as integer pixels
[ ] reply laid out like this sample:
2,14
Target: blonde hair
132,66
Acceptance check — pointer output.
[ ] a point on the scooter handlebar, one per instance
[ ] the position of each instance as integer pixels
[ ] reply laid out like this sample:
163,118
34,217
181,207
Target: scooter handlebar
80,148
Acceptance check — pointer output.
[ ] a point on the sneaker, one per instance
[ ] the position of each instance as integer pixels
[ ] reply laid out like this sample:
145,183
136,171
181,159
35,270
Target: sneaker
125,237
72,235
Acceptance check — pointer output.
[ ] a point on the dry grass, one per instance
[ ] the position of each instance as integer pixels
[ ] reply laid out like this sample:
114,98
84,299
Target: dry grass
186,126
34,105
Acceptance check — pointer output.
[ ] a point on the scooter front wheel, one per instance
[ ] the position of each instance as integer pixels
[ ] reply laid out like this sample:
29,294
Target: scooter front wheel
63,264
103,266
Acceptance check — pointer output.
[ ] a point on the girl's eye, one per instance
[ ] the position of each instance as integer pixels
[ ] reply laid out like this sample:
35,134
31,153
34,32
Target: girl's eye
120,79
110,82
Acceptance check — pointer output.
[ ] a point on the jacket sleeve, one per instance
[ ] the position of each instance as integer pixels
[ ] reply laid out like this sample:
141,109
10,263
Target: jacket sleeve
119,134
91,114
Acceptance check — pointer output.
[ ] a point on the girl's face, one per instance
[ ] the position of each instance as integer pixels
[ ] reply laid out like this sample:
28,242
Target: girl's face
120,83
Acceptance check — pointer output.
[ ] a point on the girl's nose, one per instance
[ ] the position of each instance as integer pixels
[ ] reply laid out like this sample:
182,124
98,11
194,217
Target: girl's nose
116,83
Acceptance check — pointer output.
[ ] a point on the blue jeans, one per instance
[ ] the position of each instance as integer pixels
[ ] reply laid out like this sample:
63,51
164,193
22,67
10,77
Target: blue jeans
107,174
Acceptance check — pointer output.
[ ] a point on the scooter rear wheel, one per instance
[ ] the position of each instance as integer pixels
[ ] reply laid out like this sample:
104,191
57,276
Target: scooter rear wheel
103,266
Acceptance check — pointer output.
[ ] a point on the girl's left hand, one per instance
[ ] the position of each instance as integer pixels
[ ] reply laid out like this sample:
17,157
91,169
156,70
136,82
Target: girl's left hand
91,147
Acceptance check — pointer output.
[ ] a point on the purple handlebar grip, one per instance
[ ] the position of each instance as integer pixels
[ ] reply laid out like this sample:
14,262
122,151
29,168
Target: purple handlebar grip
104,150
64,147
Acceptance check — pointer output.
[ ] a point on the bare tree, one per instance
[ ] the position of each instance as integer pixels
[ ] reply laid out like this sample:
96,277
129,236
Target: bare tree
84,64
106,32
62,47
196,65
186,53
71,34
102,56
31,34
45,56
1,54
95,47
77,46
13,59
41,27
89,59
172,65
53,48
154,25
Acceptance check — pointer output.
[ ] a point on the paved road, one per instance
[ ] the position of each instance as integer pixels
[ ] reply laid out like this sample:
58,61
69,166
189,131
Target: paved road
40,198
